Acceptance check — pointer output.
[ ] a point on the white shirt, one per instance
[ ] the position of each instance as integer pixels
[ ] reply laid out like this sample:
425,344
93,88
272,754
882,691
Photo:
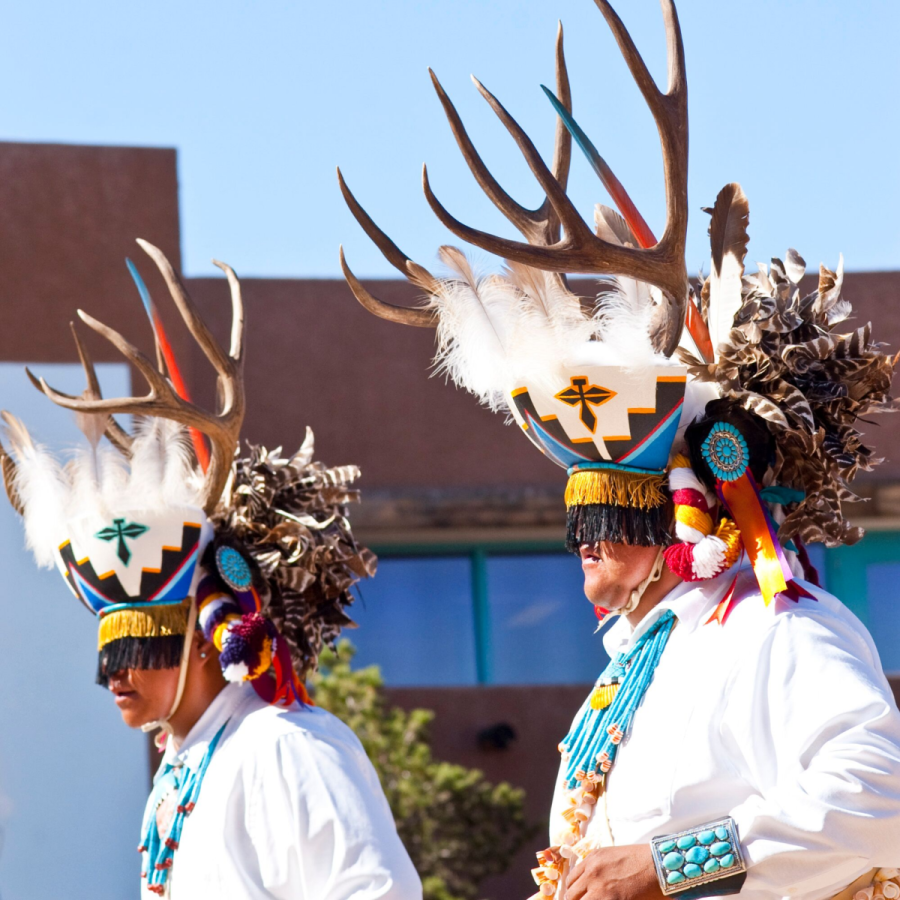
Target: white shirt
781,718
290,808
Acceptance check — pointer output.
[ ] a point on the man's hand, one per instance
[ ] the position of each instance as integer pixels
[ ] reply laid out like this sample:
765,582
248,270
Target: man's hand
615,873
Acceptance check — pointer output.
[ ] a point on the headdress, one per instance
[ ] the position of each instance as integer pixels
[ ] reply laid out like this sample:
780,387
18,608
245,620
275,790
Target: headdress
607,386
156,531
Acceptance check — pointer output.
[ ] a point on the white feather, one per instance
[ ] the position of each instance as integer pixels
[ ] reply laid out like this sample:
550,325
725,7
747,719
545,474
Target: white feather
42,488
475,315
621,328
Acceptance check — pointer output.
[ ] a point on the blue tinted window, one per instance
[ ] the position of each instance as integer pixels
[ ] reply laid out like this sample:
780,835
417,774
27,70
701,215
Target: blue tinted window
542,626
416,621
882,580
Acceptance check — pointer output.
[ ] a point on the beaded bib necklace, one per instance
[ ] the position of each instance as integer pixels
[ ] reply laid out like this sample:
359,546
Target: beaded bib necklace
185,783
590,747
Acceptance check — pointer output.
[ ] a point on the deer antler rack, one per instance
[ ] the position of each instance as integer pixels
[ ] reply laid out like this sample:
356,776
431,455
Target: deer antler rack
557,238
222,428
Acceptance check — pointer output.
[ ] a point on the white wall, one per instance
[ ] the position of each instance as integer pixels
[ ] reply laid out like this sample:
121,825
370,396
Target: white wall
73,778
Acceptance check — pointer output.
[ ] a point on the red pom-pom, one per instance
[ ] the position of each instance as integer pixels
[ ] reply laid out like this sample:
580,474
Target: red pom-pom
690,497
680,560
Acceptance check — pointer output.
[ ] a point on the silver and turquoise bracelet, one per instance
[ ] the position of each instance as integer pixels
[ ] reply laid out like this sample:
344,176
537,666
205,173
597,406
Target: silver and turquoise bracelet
689,860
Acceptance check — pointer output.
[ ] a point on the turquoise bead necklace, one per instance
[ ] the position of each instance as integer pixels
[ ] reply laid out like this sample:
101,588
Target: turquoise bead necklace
158,853
590,747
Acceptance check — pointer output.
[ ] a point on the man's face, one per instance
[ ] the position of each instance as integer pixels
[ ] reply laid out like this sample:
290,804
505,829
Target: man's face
144,695
613,571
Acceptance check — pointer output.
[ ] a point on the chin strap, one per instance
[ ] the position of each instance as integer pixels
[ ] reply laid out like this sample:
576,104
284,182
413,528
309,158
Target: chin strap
163,724
654,576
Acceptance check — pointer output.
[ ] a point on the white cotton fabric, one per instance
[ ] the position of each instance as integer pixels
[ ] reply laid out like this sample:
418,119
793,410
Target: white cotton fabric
290,808
781,718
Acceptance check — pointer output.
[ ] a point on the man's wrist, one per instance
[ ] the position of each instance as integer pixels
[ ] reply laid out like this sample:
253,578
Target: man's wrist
700,862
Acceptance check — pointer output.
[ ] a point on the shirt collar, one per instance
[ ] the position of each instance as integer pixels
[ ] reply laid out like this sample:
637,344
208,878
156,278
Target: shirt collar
691,601
222,708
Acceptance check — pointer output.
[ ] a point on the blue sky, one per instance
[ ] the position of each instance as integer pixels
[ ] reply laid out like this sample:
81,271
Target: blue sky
796,99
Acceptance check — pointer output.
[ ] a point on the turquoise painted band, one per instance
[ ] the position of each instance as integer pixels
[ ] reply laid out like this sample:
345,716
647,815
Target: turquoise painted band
613,467
143,604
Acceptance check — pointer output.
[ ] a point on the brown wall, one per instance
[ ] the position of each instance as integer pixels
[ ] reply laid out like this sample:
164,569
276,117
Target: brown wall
68,218
316,357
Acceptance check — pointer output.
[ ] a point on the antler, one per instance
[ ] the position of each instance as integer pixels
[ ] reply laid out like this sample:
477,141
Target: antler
413,272
580,250
116,434
539,226
162,400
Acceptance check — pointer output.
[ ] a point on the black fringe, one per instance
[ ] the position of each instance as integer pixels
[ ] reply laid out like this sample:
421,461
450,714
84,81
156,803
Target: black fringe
618,525
139,653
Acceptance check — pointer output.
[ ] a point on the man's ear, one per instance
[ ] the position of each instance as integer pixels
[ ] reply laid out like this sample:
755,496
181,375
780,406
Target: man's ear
206,650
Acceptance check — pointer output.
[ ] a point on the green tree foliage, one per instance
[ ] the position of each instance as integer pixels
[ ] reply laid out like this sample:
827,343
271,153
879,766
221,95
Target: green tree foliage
458,828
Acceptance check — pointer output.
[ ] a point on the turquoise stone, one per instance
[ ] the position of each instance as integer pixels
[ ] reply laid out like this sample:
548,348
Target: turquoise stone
706,837
697,855
720,848
727,861
712,865
667,846
722,833
674,860
692,871
686,841
674,878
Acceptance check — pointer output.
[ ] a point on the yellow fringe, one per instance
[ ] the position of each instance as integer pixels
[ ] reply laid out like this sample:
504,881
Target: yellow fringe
160,621
728,532
615,488
694,518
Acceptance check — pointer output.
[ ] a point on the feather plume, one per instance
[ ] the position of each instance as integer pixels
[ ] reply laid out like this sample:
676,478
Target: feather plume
91,425
474,318
162,471
624,313
611,227
548,295
728,239
41,486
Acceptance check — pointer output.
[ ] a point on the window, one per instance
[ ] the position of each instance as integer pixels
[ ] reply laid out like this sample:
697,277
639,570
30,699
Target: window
884,611
484,617
416,622
542,625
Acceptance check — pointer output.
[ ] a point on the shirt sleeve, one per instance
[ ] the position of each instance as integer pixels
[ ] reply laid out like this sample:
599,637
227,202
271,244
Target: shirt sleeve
321,825
811,723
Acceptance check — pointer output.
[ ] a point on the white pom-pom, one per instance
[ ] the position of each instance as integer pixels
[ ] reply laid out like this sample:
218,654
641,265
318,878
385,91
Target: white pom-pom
709,557
236,672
